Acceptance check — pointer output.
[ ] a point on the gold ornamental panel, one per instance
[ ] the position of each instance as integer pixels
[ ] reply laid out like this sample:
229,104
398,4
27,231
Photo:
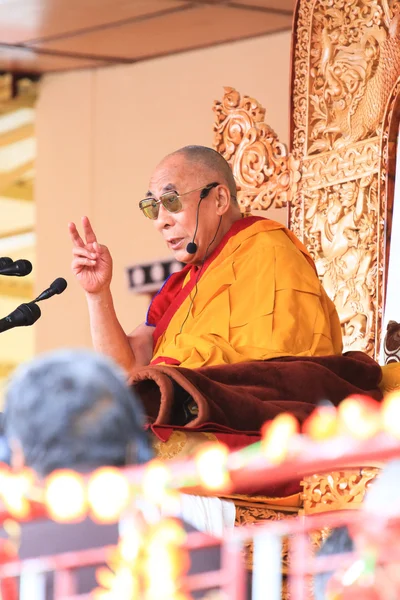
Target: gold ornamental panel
338,180
337,490
346,65
266,174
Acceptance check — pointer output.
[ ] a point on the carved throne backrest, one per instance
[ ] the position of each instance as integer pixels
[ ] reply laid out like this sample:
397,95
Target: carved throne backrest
266,173
337,181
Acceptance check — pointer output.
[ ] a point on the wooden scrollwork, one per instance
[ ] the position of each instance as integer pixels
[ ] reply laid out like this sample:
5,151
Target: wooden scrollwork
266,174
337,490
251,514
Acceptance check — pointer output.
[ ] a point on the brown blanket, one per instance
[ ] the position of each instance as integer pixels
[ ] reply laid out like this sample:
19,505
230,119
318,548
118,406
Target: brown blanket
243,396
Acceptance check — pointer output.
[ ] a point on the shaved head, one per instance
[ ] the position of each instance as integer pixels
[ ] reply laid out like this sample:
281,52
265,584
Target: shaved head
188,172
212,161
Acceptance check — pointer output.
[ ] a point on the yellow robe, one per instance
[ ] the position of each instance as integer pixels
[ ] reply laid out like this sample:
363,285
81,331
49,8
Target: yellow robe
257,297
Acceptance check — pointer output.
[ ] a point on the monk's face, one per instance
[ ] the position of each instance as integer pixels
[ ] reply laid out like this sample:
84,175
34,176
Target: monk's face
177,174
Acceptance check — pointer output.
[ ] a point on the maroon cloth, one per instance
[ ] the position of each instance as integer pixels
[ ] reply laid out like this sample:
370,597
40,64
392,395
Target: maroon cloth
241,397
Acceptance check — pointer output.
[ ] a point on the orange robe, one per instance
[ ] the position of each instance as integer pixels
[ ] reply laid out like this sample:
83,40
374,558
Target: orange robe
256,297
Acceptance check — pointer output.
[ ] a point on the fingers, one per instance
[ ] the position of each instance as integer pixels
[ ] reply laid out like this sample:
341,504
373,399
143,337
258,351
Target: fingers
80,262
80,252
88,231
91,242
75,237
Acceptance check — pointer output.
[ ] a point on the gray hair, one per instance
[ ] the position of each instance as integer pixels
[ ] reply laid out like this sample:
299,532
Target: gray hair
73,409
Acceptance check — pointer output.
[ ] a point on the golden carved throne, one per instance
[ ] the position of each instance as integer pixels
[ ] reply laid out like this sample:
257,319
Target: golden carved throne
336,182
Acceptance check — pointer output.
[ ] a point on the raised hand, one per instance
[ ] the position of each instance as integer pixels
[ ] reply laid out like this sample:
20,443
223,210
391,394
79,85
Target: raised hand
92,262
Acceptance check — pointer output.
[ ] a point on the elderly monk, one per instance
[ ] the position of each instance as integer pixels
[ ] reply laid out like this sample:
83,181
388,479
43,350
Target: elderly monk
249,290
244,332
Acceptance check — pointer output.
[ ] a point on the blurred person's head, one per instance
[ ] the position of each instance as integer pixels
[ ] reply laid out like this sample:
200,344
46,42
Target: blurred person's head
73,409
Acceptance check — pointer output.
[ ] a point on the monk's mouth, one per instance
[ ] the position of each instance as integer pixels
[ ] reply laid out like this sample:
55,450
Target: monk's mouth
176,243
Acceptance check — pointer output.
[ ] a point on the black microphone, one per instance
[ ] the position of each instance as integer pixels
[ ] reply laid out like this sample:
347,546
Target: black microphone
19,268
57,287
191,248
24,315
5,261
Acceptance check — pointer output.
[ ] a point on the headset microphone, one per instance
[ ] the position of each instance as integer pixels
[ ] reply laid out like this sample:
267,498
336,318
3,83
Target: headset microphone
191,248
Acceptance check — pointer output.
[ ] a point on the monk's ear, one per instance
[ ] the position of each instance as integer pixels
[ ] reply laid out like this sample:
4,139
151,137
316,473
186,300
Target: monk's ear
222,199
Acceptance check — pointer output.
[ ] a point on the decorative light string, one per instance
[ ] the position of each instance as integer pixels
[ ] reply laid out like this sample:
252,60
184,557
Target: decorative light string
106,493
109,494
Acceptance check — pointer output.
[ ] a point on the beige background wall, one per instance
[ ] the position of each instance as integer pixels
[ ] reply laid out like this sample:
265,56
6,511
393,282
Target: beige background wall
99,135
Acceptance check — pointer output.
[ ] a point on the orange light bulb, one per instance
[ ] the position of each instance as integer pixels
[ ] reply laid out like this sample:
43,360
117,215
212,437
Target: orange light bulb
65,496
322,424
277,435
108,494
155,481
360,416
211,464
16,493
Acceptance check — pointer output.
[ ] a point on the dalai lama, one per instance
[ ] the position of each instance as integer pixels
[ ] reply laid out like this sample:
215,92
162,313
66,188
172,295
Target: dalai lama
244,331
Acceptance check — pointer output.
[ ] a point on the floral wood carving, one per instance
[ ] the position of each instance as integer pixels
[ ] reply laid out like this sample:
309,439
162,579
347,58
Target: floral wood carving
342,238
251,515
346,63
266,175
337,490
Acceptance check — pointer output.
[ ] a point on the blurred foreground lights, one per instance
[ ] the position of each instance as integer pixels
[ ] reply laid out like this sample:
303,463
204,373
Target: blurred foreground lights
155,481
4,474
360,416
108,495
171,503
168,532
130,544
65,497
391,414
276,436
211,465
166,557
121,585
16,493
322,424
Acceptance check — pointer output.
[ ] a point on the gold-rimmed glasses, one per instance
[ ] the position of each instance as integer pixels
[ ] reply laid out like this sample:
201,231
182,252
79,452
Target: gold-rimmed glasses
171,201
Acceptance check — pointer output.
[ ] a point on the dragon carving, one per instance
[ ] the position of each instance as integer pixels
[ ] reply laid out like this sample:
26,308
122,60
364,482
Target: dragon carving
346,70
350,78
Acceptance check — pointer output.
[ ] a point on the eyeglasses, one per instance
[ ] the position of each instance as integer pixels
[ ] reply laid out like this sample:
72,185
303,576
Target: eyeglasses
171,201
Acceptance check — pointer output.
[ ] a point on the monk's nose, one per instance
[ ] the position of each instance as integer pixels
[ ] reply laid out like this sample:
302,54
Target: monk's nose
164,219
